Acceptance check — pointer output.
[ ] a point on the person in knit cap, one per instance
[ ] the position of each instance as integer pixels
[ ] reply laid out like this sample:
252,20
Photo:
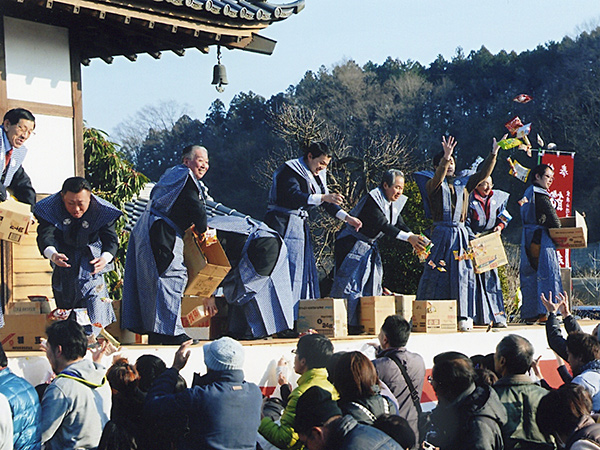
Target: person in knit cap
222,410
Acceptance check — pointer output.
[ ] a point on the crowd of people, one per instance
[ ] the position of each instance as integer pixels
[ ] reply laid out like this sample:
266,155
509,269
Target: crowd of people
340,401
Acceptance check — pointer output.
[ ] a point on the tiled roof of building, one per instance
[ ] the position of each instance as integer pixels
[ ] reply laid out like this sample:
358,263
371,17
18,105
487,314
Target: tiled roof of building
108,28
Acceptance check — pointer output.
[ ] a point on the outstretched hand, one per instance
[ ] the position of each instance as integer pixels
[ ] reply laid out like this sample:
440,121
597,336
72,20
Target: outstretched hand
98,264
60,259
550,306
354,222
563,304
418,242
336,199
182,355
495,146
448,146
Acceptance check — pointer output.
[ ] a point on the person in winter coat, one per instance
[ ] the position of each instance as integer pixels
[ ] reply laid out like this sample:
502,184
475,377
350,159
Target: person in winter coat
393,338
321,426
519,394
565,414
467,417
224,412
76,405
356,381
24,410
313,353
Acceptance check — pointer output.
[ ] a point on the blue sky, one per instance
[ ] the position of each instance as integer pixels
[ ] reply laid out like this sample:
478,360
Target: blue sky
327,32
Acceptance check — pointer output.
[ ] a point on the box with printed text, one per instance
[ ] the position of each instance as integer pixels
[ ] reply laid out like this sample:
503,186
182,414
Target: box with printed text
327,316
434,316
15,218
572,233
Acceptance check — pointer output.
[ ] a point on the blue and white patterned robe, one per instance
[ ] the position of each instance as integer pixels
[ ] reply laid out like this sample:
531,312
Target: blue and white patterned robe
152,301
489,301
547,277
457,279
77,284
361,272
295,232
266,301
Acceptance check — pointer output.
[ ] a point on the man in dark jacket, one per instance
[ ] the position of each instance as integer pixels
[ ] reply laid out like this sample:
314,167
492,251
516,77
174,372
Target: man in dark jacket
393,337
222,413
25,407
320,425
467,417
519,395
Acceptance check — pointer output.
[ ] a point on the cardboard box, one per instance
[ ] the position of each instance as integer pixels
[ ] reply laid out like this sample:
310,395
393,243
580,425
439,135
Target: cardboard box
206,266
488,252
374,310
23,332
328,316
193,313
47,305
572,234
404,305
434,316
24,307
15,218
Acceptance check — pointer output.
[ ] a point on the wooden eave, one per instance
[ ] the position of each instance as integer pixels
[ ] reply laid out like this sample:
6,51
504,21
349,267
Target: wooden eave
108,28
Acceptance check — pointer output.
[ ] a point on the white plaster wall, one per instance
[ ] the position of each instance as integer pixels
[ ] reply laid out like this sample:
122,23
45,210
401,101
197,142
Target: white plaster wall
261,356
37,62
50,159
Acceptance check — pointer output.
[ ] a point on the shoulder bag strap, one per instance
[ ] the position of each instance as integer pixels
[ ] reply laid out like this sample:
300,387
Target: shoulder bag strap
414,395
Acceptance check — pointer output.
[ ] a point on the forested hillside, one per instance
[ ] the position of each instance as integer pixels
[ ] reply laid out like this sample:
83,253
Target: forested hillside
470,97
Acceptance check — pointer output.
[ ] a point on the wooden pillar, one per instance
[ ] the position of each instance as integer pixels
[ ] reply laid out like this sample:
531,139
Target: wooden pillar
6,278
77,105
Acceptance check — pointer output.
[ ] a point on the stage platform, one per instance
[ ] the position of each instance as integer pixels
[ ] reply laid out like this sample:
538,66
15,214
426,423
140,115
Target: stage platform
262,355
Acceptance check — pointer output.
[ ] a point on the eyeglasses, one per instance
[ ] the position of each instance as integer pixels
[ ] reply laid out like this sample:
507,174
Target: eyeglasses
431,380
25,131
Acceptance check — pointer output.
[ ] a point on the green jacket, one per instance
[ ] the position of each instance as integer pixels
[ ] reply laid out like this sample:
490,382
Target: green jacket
283,435
520,396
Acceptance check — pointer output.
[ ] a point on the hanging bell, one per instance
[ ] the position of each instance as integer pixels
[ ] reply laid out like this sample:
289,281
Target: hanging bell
219,75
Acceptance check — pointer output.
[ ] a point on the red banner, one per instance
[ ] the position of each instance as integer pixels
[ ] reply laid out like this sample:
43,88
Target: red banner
561,191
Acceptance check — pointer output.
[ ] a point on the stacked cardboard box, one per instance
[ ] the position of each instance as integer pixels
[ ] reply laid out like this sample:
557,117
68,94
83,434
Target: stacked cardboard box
327,316
25,323
434,316
404,305
374,310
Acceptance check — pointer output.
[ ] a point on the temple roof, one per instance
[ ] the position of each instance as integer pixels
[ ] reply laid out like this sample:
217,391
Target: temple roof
107,28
